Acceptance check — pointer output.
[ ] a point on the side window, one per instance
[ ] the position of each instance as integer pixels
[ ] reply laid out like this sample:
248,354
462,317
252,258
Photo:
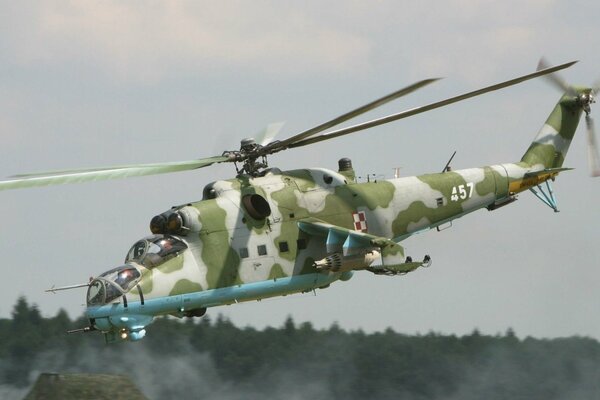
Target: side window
243,252
209,192
262,250
284,247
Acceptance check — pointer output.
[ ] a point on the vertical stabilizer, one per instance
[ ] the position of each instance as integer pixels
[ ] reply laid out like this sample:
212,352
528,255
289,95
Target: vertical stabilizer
551,144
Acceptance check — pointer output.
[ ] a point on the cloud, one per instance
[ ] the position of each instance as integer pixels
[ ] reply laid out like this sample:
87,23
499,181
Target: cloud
144,41
465,39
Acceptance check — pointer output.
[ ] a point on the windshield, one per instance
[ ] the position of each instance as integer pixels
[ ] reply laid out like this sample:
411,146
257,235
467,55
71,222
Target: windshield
155,250
96,292
125,276
112,284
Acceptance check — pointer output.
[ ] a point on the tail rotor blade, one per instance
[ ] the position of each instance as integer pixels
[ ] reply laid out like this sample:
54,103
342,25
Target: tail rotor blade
593,158
596,87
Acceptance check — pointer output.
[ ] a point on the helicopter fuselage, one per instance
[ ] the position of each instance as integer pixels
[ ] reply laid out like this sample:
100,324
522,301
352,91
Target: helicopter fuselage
257,237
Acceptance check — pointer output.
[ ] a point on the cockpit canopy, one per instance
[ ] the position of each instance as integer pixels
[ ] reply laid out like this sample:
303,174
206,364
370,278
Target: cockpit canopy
154,250
149,252
113,284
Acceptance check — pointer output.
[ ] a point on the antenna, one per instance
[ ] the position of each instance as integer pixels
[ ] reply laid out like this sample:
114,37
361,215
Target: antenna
447,167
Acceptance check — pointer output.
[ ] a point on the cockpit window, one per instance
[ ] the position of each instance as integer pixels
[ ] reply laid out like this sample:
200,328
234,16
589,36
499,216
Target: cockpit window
155,250
112,284
209,192
96,293
125,276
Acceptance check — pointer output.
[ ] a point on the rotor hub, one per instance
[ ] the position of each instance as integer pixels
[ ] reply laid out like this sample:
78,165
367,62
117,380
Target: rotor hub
248,145
585,100
248,154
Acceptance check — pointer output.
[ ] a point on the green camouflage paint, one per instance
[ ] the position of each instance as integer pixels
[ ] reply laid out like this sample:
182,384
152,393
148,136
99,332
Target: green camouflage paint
394,208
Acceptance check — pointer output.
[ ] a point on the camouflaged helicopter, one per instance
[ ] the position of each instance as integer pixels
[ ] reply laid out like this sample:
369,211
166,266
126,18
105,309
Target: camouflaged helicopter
269,233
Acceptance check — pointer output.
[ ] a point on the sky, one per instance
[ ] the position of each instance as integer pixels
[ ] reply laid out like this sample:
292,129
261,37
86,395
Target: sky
86,84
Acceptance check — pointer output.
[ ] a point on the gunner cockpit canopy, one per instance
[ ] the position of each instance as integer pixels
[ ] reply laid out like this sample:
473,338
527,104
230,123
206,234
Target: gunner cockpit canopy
112,284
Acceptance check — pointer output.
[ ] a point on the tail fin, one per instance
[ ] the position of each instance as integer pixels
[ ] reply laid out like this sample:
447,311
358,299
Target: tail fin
551,144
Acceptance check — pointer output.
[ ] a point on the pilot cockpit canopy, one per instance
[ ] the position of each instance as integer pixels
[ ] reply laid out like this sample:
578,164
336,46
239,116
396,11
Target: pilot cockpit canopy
154,250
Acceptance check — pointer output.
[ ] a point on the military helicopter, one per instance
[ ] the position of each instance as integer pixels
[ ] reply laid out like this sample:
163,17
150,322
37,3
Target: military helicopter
267,232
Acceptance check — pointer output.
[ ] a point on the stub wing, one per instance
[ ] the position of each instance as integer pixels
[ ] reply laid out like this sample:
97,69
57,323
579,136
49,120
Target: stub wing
346,241
352,250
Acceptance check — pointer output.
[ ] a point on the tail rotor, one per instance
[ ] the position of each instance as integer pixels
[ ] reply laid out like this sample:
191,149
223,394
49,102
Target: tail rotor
593,158
584,98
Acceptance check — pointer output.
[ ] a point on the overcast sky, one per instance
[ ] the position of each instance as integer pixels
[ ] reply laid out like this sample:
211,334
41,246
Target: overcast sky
86,84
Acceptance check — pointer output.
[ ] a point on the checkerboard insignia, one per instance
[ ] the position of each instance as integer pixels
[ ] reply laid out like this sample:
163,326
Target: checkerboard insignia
360,221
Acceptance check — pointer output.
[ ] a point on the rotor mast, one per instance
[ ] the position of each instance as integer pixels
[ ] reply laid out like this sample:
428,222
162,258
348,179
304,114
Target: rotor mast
248,155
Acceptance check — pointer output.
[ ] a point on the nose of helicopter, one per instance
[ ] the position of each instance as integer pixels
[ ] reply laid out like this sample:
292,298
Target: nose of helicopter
104,290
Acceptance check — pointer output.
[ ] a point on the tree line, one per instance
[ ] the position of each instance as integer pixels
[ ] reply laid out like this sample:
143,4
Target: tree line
216,359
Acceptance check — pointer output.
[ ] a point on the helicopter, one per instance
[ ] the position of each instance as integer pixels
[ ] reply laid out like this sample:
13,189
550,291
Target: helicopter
267,232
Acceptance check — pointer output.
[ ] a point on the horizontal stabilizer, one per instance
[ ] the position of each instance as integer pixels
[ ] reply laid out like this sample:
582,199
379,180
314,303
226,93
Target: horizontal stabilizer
547,172
534,178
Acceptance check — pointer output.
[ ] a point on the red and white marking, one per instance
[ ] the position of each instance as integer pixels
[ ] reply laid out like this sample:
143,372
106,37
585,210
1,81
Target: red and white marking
360,221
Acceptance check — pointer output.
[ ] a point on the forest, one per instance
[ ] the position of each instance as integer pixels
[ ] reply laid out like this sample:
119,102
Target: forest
211,358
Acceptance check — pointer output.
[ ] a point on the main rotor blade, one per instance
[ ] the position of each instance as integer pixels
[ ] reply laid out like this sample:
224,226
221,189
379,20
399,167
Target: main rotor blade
96,174
268,134
556,80
280,145
432,106
593,158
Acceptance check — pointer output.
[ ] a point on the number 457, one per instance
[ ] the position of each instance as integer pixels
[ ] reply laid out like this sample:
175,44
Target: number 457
461,192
